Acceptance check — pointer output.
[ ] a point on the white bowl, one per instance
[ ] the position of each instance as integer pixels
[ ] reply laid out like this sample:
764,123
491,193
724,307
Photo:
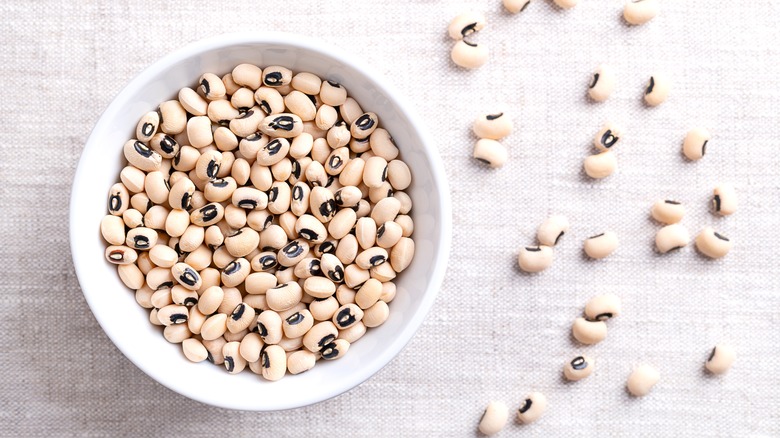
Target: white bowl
127,324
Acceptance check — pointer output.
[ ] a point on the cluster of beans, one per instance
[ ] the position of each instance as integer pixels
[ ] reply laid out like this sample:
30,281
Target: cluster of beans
261,218
490,128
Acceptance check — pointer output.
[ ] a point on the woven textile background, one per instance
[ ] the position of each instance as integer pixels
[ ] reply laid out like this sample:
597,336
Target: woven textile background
494,333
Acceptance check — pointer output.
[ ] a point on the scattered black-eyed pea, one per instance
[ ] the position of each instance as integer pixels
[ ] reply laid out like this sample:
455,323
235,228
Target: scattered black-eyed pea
405,200
323,309
516,6
207,215
668,211
273,360
375,172
323,204
695,143
532,407
273,237
638,12
196,320
176,223
284,296
342,223
353,333
602,84
194,350
241,318
366,232
352,174
469,55
347,249
494,418
300,361
307,83
490,152
720,359
589,332
713,244
183,296
199,132
671,237
398,174
235,272
143,297
578,368
402,253
220,189
332,268
385,210
163,256
535,258
466,24
214,327
657,89
347,196
334,94
338,135
191,101
269,100
161,298
371,257
292,252
276,76
118,199
406,223
140,202
600,165
364,126
248,75
156,217
221,112
552,229
724,199
601,245
319,287
608,136
192,238
269,326
603,307
642,380
153,318
347,316
243,99
234,362
158,278
493,126
368,293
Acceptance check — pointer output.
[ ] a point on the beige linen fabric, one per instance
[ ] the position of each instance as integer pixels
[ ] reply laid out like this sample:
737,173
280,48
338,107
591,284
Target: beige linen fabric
494,333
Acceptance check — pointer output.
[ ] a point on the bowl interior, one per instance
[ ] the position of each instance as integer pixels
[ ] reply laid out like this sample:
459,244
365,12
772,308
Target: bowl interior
126,323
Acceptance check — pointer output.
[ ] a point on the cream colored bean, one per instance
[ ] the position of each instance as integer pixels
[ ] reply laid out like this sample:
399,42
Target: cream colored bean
159,278
600,165
273,237
352,173
323,204
363,208
724,199
147,126
176,334
143,262
354,276
335,350
284,296
376,315
332,93
235,217
247,122
234,362
209,277
515,6
382,145
221,112
532,408
399,175
383,272
297,324
242,242
371,257
250,347
299,104
589,332
602,84
240,171
269,100
319,287
369,293
173,117
713,244
347,196
406,223
243,99
388,292
156,187
183,296
173,314
140,202
141,238
320,335
566,4
491,152
466,24
720,359
279,197
282,170
153,318
118,199
640,11
385,210
229,302
642,380
494,418
156,217
199,131
601,245
196,320
186,159
402,253
579,368
342,223
240,318
211,86
323,309
192,238
207,215
337,161
603,307
535,258
469,55
292,253
276,76
191,101
133,179
695,143
274,362
186,276
608,136
366,232
207,166
283,125
667,211
269,326
345,294
300,361
552,229
305,82
235,272
338,135
347,249
364,126
248,75
657,89
214,347
112,228
493,126
121,255
194,350
326,117
671,237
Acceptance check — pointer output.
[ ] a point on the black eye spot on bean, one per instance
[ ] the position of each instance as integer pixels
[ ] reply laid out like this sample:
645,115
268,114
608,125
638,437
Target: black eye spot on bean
716,202
247,203
483,160
296,169
232,268
116,254
470,44
166,285
712,354
147,129
672,202
608,140
468,29
308,234
603,316
209,212
337,274
533,248
189,277
297,193
334,84
189,301
295,319
273,78
704,147
219,183
650,85
268,221
328,208
142,149
526,406
292,249
212,169
331,179
559,237
273,194
597,235
206,87
114,202
329,351
312,99
384,174
141,242
345,317
365,122
721,237
265,106
238,312
273,147
229,365
327,248
178,318
335,162
261,330
595,75
267,261
377,260
284,123
494,116
579,363
185,200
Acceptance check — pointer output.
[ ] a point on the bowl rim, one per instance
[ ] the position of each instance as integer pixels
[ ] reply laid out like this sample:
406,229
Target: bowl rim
307,43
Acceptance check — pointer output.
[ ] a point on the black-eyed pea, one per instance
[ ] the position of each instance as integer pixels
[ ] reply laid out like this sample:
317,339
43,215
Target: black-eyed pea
315,174
335,350
713,244
658,87
601,245
242,242
326,117
405,200
259,220
353,333
269,326
173,314
144,263
183,296
195,320
259,282
276,76
143,297
192,102
342,223
371,257
284,296
332,268
207,215
402,253
141,238
388,292
603,307
323,204
375,172
493,126
589,332
334,94
186,159
323,309
376,315
491,152
366,232
118,199
249,198
243,99
578,368
364,125
273,237
347,249
235,337
307,83
121,255
240,318
671,237
248,75
287,221
231,299
207,166
345,295
299,204
336,161
159,278
347,316
466,24
141,202
180,194
600,165
724,199
398,174
382,145
112,228
385,210
246,123
153,318
406,223
363,208
368,294
516,6
220,189
375,194
326,247
214,347
177,333
299,104
319,287
532,407
156,217
720,359
494,418
352,173
176,222
283,125
347,196
221,112
161,297
273,361
250,347
173,117
185,275
320,335
297,324
282,170
552,229
292,252
300,361
133,179
642,380
221,258
261,177
309,228
602,84
608,136
383,272
273,152
211,86
192,238
240,171
640,11
194,350
235,272
355,276
279,197
235,217
269,100
156,187
469,55
249,146
141,156
535,258
667,211
234,362
209,277
695,143
199,131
